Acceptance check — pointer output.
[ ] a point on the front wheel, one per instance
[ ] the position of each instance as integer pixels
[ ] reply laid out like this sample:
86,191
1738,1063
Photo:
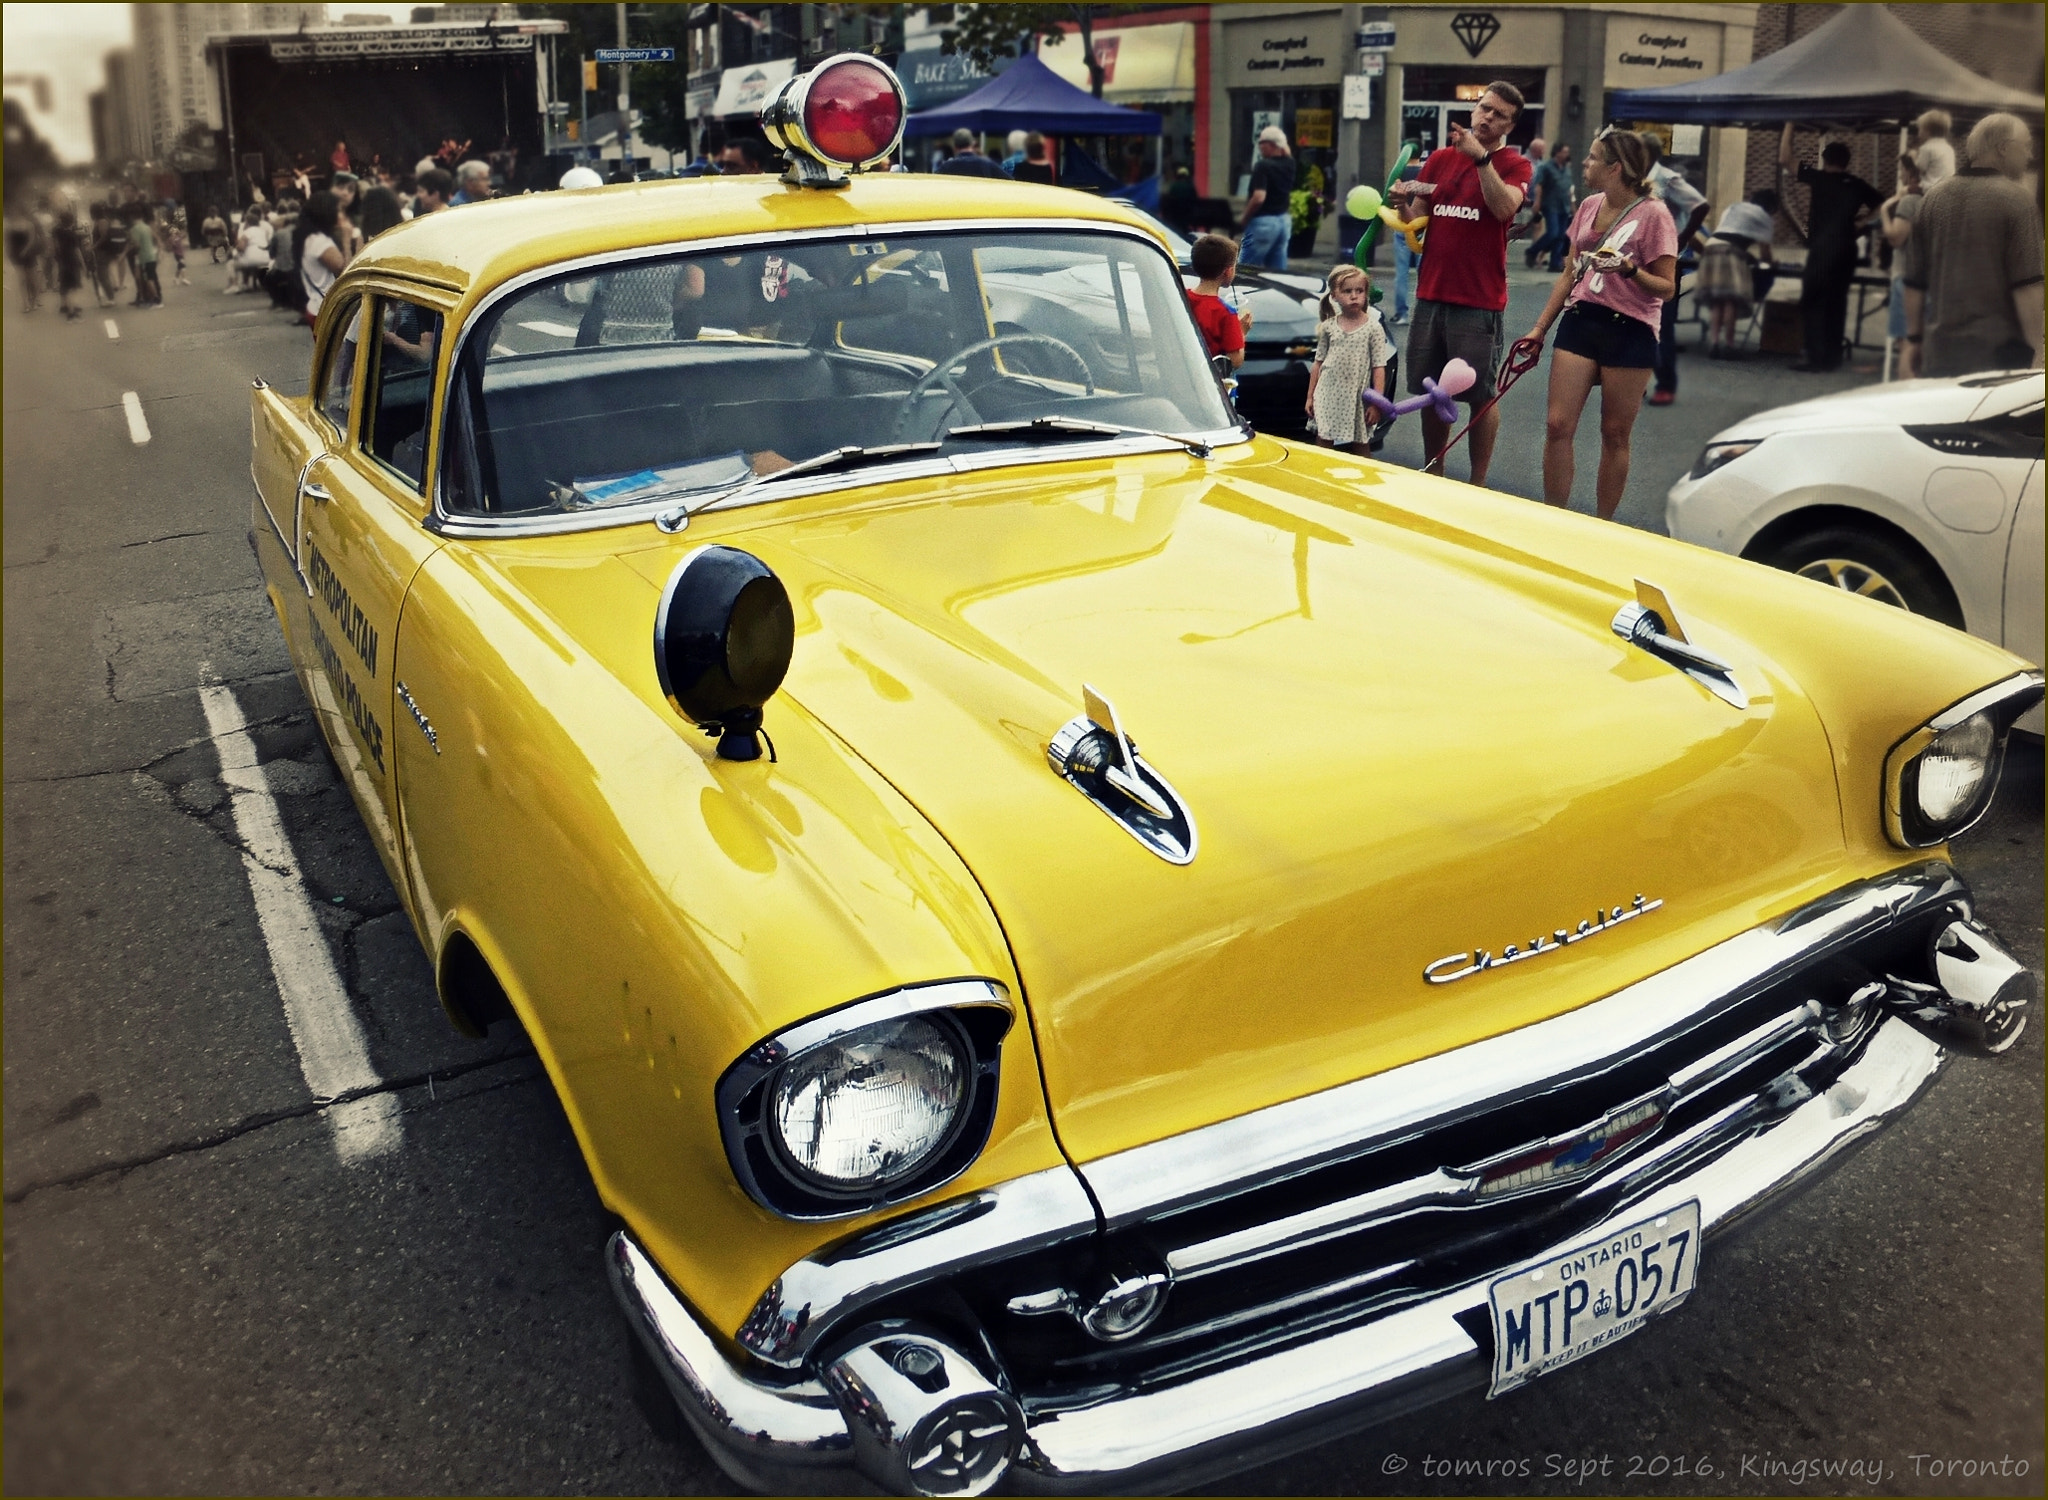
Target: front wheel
1876,566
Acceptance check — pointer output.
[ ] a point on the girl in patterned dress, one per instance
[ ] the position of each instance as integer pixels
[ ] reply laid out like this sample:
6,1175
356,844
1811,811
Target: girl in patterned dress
1352,352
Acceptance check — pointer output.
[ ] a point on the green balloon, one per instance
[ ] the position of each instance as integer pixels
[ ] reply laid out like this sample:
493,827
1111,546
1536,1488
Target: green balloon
1363,201
1362,256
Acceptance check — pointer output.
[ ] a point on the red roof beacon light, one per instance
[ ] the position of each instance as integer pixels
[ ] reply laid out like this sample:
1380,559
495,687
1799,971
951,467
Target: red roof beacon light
846,112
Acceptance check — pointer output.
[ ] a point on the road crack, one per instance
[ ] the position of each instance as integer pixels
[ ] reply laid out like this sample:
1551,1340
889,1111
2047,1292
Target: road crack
264,1119
175,536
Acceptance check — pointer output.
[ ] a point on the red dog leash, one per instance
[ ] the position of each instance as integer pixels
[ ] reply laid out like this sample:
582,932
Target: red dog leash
1522,357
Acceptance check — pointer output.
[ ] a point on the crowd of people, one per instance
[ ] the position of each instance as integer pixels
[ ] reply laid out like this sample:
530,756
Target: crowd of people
290,247
59,246
1965,246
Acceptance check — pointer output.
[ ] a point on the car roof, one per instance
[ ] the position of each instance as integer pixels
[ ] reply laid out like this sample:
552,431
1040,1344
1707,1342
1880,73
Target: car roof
470,249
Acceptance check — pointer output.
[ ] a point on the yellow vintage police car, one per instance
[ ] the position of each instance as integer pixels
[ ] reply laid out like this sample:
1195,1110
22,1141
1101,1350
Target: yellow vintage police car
1083,944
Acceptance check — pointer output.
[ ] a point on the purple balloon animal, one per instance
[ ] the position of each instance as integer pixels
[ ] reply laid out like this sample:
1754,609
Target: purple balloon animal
1442,394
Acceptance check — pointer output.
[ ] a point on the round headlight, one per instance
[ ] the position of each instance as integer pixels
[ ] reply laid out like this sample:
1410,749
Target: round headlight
873,1105
1953,769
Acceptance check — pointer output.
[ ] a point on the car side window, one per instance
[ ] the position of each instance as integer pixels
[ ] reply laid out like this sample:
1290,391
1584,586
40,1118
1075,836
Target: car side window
401,387
338,384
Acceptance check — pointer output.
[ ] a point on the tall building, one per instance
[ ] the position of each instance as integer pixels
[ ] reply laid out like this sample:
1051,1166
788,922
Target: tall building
117,134
172,87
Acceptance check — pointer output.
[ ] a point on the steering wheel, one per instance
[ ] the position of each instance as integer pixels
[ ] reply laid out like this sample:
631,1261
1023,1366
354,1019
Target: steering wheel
941,374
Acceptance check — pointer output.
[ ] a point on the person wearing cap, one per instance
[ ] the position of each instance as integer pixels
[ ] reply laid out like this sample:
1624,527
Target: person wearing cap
967,160
1269,211
580,177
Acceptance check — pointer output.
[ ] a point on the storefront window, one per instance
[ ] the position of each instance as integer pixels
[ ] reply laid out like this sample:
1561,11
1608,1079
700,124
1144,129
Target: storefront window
1307,115
1435,98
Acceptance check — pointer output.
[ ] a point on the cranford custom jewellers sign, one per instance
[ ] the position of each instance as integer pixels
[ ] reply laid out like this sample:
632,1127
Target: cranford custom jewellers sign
1648,53
1288,52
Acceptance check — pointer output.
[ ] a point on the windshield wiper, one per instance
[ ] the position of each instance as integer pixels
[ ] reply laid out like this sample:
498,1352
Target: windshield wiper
850,457
1056,429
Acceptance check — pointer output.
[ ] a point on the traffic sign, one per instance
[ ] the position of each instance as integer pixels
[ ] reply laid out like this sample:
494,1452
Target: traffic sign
636,54
1376,35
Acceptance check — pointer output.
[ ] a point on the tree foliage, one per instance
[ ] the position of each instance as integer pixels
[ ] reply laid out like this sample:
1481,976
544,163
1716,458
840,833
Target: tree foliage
29,156
987,34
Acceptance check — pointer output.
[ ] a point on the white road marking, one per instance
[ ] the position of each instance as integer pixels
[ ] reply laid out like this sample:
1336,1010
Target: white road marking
138,429
113,330
332,1052
559,330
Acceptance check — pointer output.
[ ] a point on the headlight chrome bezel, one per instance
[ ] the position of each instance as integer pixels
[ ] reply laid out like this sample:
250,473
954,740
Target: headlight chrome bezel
2000,705
976,1014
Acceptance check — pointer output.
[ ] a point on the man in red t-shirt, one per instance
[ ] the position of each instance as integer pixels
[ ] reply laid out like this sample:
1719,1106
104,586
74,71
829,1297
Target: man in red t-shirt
1471,190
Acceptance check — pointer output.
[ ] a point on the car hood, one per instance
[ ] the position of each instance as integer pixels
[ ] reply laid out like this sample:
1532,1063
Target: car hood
1400,741
1893,405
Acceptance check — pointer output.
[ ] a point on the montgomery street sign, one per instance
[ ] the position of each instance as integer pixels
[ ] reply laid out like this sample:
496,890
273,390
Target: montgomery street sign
635,54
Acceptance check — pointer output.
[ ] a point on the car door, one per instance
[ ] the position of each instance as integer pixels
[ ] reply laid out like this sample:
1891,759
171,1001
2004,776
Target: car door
290,438
2023,630
362,537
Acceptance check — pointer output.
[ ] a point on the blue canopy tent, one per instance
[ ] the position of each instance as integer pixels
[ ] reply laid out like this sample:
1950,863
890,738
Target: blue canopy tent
1030,96
1864,69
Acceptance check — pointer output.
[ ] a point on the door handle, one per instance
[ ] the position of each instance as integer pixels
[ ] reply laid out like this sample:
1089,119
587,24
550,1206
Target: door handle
318,492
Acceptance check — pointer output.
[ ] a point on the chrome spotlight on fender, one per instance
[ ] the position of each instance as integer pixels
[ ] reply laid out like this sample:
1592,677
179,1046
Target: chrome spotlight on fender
925,1420
723,636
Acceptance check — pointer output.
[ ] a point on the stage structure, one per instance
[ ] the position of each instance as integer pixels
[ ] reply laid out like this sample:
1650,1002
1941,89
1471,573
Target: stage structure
393,93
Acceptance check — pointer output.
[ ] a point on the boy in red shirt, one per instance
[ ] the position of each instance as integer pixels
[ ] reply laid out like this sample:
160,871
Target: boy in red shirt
1214,259
1470,190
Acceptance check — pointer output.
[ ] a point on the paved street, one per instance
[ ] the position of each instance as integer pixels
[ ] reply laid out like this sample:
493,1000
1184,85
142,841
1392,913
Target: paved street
216,1282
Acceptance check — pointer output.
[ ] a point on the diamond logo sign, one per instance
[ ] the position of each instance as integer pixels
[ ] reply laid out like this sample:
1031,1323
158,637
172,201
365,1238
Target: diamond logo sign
1475,28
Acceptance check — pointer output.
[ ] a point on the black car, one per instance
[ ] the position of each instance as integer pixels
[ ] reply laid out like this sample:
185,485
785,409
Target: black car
1272,383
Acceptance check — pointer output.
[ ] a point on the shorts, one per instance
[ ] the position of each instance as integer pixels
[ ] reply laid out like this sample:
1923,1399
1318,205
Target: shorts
1612,340
1443,331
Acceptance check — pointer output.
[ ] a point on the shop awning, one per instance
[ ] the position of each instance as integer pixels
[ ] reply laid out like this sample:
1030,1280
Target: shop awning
1030,96
742,91
1865,67
1140,64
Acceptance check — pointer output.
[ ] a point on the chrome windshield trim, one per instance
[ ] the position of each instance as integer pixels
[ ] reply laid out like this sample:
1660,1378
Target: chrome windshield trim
560,523
447,523
1282,1140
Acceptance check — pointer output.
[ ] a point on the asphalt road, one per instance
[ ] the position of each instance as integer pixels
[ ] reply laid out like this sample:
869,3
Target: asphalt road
210,1289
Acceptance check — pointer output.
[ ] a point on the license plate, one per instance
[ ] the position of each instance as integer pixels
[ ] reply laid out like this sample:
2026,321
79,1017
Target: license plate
1582,1299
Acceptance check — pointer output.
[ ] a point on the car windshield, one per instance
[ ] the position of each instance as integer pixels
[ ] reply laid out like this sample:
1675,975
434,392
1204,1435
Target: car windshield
658,379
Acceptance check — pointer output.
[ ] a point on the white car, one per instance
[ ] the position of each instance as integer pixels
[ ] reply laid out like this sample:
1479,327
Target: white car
1922,494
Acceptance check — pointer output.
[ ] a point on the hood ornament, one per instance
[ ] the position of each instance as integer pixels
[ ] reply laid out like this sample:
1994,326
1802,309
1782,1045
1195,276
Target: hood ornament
1093,753
1652,624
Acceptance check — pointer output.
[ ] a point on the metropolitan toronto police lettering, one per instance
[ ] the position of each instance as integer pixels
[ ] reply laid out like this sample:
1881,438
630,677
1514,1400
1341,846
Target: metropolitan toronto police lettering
348,617
356,628
350,697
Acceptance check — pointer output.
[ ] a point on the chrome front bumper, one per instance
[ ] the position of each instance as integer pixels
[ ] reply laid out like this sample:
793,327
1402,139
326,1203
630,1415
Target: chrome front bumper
825,1391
